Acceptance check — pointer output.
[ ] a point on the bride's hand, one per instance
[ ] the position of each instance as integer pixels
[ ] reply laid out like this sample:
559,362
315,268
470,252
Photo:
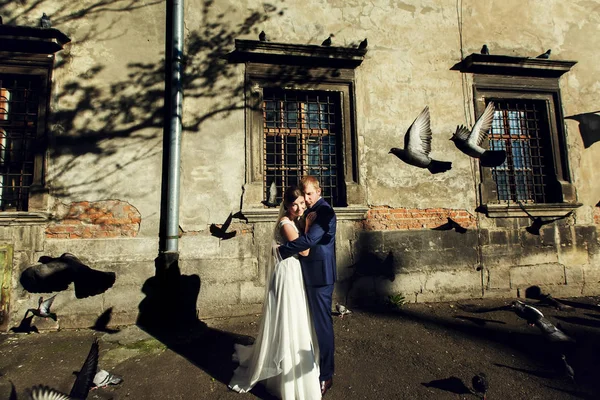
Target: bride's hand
310,218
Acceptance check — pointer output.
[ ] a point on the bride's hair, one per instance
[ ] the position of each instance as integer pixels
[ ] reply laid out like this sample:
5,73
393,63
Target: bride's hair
290,195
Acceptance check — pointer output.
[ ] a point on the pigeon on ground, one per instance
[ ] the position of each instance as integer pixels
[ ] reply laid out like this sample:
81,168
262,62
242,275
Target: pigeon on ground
448,226
552,333
569,371
262,36
527,312
221,232
538,222
363,45
470,142
545,55
327,42
485,50
43,310
45,22
104,378
272,200
480,384
82,384
417,146
342,310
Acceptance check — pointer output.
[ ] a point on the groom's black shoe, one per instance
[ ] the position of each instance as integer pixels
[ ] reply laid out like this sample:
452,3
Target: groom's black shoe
326,385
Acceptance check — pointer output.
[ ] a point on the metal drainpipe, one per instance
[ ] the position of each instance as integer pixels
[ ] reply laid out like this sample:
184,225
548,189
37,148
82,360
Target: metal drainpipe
173,126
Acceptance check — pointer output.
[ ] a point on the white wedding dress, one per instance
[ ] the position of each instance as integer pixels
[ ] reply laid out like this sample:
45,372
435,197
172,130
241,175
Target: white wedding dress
285,351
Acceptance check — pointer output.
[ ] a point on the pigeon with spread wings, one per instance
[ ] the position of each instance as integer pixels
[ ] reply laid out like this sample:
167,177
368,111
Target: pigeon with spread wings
470,142
417,146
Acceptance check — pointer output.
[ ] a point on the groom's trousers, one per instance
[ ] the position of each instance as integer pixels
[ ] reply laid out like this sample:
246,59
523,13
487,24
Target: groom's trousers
319,301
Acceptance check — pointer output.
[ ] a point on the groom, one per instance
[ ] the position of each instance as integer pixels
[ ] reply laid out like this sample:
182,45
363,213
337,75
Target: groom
319,271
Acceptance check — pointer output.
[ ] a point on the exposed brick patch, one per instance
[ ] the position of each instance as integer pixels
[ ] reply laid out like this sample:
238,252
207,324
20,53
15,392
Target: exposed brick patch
384,218
597,215
93,220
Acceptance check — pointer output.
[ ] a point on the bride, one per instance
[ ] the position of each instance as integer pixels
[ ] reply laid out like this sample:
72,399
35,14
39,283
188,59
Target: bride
285,353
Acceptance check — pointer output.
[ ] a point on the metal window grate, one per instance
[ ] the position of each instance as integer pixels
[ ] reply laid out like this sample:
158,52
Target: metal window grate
19,103
301,137
520,127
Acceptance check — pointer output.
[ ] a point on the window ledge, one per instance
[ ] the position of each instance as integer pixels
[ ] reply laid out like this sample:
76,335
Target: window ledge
536,210
509,65
20,218
352,213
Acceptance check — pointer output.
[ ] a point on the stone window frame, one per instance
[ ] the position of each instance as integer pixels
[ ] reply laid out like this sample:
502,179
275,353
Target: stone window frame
30,51
298,67
507,77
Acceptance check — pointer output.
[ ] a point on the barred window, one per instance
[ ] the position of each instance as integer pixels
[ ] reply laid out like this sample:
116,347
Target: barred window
19,114
520,127
302,131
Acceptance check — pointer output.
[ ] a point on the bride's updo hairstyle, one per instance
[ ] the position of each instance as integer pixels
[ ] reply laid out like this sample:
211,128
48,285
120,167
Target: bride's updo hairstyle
290,195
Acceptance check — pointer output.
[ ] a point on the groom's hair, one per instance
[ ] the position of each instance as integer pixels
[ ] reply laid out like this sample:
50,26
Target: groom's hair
309,179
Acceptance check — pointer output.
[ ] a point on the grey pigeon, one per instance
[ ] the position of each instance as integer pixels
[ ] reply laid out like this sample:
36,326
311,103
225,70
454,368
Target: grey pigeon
82,384
552,333
45,22
527,312
272,200
545,55
262,36
327,42
221,232
363,45
342,310
480,384
104,378
569,371
417,146
43,309
485,50
470,142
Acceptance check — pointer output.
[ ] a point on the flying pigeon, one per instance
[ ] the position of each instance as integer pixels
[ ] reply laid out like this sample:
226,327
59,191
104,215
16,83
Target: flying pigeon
470,142
448,226
480,384
527,312
551,332
569,371
485,50
272,200
545,55
538,222
221,232
327,42
342,310
363,45
82,384
104,378
417,146
45,22
43,309
262,36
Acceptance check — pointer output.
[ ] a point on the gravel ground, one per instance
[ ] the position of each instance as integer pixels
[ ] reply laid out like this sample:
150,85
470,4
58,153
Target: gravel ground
419,351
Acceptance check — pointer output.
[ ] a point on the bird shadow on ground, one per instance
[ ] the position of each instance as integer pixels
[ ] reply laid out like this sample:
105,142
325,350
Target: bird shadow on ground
168,313
479,321
451,384
580,321
540,374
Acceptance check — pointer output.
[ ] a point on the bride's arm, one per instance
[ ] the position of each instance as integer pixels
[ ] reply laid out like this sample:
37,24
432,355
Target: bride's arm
289,233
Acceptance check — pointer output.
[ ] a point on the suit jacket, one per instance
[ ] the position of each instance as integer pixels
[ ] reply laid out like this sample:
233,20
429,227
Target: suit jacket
318,268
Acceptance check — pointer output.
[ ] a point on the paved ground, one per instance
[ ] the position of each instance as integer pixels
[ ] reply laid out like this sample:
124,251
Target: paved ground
420,351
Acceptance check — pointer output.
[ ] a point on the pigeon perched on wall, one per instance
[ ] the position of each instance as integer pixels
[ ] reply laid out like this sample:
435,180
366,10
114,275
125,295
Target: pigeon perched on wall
327,42
272,199
363,45
45,22
417,146
342,310
480,385
527,312
545,55
43,310
82,384
221,232
262,36
485,50
469,142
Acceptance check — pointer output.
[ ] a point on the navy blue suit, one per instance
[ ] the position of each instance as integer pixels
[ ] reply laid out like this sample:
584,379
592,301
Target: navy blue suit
319,273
